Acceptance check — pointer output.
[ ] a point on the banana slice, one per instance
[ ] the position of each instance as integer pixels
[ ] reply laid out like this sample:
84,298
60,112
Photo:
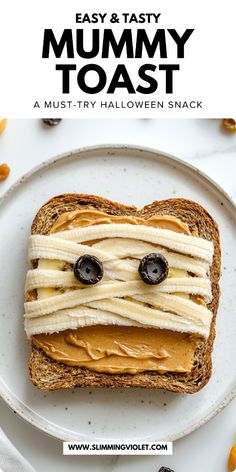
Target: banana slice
176,241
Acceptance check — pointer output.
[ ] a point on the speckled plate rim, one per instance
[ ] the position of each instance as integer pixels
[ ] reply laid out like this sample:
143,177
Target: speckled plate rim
10,399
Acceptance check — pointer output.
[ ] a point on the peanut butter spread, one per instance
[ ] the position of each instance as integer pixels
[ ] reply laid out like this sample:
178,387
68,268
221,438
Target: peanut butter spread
77,218
121,349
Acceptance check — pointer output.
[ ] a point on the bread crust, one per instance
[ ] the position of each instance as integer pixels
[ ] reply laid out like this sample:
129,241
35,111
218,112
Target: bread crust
47,374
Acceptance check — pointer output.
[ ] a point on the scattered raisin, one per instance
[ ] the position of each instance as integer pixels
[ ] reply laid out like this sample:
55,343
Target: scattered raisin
4,171
229,124
3,125
232,458
51,121
165,469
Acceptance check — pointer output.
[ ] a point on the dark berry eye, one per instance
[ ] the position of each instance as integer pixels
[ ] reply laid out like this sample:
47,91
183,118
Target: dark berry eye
153,269
88,270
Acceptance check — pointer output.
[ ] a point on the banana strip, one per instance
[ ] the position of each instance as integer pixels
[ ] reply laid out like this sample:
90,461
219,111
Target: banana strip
123,270
178,305
113,311
122,248
72,319
193,285
179,242
50,278
151,316
48,247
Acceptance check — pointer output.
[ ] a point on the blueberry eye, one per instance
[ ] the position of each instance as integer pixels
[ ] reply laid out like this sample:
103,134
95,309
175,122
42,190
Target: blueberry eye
88,270
153,269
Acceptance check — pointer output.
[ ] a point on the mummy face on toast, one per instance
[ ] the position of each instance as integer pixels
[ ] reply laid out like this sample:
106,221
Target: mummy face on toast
122,273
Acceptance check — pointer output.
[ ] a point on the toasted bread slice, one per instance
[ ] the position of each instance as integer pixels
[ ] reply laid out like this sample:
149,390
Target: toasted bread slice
48,374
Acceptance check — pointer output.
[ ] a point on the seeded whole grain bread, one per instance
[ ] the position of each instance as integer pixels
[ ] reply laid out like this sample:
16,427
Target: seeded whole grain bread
48,374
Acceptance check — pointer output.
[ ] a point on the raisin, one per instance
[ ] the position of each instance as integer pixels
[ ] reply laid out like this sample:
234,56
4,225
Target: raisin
3,124
165,469
4,171
229,124
51,121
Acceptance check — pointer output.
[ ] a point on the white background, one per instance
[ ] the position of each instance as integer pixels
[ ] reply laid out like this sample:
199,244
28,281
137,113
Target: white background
203,143
206,73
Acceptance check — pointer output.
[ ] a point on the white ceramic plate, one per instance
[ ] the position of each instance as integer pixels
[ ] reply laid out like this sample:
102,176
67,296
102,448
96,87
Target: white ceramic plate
129,175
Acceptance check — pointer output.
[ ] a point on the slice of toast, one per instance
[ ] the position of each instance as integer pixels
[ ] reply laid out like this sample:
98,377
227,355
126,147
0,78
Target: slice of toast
48,374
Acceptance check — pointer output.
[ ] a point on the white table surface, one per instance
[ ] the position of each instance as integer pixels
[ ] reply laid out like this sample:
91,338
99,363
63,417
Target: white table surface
26,143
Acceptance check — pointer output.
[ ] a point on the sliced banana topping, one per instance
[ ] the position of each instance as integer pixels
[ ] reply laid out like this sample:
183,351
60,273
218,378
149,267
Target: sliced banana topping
176,241
121,297
115,311
74,318
196,286
48,247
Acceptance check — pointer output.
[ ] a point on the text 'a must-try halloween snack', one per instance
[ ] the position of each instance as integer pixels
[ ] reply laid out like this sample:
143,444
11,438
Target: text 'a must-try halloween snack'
118,297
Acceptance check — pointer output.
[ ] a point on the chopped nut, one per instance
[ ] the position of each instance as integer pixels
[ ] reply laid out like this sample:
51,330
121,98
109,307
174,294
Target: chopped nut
232,458
3,125
229,124
4,171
